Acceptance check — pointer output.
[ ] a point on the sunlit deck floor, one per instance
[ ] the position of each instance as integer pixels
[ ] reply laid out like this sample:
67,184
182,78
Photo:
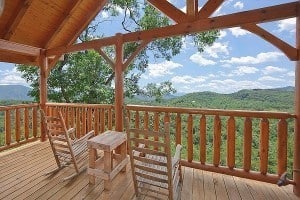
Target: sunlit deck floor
21,177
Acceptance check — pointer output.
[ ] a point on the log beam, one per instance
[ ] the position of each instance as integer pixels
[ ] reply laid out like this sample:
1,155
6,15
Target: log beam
43,89
169,10
19,48
296,163
209,8
267,14
119,83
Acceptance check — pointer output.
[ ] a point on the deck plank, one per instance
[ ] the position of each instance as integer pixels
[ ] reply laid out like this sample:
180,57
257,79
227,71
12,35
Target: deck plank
209,188
198,185
220,188
21,177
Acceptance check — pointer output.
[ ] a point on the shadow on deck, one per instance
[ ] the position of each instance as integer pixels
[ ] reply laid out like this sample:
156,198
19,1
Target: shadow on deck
22,169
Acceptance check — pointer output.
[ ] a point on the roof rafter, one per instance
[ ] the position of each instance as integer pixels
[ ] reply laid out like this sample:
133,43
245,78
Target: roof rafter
63,20
85,23
209,8
267,14
16,18
290,52
169,10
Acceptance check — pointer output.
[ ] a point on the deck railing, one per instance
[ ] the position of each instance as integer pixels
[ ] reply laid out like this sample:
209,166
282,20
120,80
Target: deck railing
251,144
85,117
19,124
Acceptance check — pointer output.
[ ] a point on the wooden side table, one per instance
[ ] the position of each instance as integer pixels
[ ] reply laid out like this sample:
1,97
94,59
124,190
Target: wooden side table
109,165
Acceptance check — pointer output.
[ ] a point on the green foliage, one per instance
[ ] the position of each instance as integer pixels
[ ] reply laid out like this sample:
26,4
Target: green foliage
158,91
264,99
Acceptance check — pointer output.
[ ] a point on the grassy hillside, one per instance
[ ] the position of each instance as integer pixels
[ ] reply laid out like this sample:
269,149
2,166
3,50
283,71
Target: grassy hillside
281,99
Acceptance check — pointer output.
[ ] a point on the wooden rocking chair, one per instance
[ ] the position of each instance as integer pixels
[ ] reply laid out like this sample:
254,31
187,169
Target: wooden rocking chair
66,148
155,173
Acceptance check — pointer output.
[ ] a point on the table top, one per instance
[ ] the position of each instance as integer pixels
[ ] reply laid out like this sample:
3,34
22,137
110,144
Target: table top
107,141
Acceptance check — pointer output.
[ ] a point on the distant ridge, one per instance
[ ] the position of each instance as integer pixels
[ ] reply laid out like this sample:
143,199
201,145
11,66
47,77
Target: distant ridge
14,92
276,99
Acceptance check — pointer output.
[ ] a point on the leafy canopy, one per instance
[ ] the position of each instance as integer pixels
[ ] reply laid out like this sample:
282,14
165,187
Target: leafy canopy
85,76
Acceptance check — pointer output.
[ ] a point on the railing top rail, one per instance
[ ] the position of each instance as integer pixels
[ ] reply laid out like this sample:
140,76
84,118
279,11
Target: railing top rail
13,107
236,113
80,105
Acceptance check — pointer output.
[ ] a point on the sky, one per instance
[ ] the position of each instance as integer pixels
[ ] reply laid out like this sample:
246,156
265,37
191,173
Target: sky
237,60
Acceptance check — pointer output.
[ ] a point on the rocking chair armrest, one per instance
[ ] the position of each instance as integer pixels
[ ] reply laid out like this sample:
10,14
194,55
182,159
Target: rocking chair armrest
137,153
71,132
85,137
176,157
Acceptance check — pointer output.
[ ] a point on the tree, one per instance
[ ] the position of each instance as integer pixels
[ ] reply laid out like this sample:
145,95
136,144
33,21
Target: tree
85,76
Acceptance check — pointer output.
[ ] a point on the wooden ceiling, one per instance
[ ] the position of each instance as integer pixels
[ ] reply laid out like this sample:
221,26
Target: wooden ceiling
43,24
28,27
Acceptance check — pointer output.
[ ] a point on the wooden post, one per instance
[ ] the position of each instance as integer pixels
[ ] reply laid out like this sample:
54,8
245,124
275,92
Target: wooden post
43,88
296,175
119,83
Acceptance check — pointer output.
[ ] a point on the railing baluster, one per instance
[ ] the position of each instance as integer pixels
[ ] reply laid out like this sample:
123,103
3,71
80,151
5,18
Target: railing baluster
137,120
282,146
110,119
96,121
178,128
217,141
264,145
102,120
17,125
231,142
203,139
26,123
67,118
78,131
146,121
83,114
89,120
167,117
73,111
34,122
156,126
247,144
7,128
190,138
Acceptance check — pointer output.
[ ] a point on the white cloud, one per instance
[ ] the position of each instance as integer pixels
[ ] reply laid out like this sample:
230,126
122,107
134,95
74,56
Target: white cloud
292,74
188,79
287,25
217,48
104,15
221,86
272,69
161,69
242,70
222,34
200,60
270,78
239,5
260,58
236,31
11,77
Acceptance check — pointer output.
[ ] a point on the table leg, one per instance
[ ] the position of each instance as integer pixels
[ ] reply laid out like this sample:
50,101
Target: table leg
107,168
123,149
92,164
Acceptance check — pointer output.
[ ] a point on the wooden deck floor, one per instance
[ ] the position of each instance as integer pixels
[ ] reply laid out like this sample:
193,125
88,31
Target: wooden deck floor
21,177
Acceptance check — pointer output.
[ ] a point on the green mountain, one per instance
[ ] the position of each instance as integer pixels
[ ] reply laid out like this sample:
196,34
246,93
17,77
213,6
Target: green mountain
279,99
14,92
